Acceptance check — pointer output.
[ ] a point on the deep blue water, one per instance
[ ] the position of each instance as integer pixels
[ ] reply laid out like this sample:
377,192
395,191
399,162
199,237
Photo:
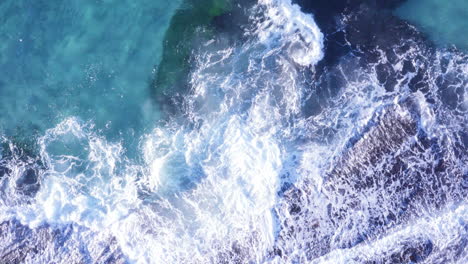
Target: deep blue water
218,131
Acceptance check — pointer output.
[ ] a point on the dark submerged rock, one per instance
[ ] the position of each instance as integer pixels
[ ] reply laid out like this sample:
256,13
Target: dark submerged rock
27,167
368,21
369,32
376,160
195,23
19,243
28,183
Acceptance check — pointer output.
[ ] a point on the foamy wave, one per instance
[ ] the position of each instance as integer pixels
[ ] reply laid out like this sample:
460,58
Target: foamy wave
201,194
297,31
229,204
441,232
86,181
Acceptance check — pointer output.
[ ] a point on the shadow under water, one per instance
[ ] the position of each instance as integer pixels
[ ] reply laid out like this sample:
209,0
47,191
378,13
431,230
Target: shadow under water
195,24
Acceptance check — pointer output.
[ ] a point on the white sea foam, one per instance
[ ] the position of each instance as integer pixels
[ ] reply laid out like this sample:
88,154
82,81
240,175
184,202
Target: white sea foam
201,193
298,31
231,197
225,173
83,183
442,231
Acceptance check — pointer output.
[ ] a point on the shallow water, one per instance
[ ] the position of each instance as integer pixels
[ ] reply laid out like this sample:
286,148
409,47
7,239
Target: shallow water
90,59
446,22
282,148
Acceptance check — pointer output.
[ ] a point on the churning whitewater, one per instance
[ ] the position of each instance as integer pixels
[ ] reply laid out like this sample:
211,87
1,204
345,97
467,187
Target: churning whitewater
248,173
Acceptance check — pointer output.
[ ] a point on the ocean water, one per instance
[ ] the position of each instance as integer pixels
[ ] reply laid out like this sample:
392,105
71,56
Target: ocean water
92,60
269,131
445,23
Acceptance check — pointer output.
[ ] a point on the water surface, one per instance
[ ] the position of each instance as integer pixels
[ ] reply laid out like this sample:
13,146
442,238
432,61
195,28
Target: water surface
213,131
446,22
93,60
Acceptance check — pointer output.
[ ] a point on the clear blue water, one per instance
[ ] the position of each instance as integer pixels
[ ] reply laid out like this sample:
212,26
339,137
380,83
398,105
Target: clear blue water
94,60
446,22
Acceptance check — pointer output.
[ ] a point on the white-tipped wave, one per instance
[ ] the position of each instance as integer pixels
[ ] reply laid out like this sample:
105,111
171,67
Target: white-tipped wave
296,30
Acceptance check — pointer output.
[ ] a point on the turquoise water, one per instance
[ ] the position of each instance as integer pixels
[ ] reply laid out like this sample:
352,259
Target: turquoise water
90,59
446,22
